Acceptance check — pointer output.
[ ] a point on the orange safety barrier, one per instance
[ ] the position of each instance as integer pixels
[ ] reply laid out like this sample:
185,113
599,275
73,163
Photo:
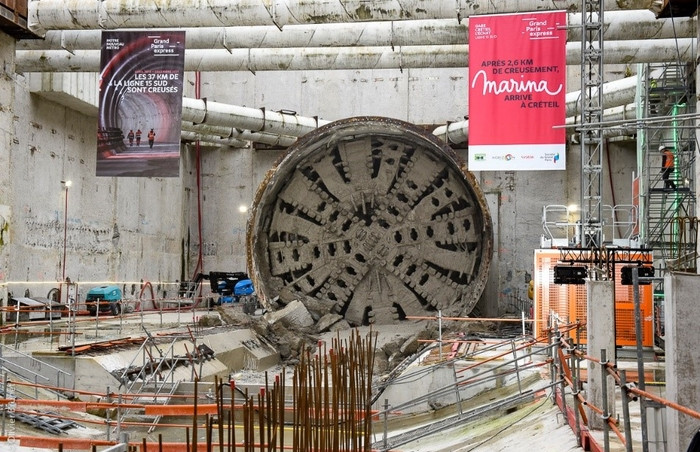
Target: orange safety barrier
569,302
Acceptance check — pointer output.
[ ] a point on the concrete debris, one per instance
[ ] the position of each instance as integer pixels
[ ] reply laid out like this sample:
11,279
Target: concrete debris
342,325
413,344
234,317
294,314
327,321
209,321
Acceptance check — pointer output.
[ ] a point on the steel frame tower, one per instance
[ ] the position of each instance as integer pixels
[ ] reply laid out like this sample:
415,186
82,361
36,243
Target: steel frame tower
591,135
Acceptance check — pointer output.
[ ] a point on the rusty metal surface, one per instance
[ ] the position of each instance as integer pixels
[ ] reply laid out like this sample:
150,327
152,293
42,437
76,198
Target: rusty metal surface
374,217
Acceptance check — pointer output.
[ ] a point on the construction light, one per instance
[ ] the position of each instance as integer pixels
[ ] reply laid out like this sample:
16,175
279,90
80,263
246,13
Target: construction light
570,274
643,271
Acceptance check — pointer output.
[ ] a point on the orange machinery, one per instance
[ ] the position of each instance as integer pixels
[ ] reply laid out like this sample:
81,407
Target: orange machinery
568,301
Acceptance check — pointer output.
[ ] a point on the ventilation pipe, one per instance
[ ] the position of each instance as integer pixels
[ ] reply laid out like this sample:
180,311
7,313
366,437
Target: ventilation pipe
615,94
339,58
209,140
200,111
231,133
620,121
619,25
618,92
110,14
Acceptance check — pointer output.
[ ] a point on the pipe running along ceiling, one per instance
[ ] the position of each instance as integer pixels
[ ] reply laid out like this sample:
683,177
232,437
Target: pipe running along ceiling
618,25
112,14
251,44
218,123
357,58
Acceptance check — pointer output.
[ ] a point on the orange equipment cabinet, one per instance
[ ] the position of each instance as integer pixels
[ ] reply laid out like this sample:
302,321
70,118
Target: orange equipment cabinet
568,301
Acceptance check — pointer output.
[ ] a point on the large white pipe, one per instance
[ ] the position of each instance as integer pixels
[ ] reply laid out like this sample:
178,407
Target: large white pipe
337,58
617,92
458,132
453,133
230,132
619,25
398,33
200,111
212,139
618,96
110,14
620,116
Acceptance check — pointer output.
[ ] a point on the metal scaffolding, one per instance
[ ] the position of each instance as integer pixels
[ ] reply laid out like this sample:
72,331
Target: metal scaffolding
667,207
591,113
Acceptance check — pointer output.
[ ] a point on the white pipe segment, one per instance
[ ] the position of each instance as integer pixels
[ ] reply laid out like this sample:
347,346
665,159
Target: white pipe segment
619,113
234,133
617,92
635,24
209,140
110,14
458,132
399,33
618,98
453,133
199,111
619,25
338,58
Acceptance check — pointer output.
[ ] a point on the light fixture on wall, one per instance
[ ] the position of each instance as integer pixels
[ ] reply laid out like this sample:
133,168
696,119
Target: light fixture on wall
66,185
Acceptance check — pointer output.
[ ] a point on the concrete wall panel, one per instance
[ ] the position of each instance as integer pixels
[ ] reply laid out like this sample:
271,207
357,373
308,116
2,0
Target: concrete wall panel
133,229
682,359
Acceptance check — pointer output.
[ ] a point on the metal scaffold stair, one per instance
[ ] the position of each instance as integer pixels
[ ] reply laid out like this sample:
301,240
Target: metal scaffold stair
669,220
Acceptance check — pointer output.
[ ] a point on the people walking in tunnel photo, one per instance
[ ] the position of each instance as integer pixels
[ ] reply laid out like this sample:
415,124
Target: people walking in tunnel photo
130,137
138,137
151,138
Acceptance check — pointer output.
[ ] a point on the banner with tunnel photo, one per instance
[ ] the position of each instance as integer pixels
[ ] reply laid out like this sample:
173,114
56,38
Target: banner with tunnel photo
140,107
517,94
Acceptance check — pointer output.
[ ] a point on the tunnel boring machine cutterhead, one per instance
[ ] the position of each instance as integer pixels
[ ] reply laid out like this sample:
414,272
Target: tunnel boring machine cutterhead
375,218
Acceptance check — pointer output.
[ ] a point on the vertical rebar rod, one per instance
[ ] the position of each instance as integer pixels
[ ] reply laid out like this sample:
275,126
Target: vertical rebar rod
575,392
517,368
560,374
604,388
229,426
209,431
268,413
282,406
194,418
626,410
640,357
218,384
261,419
232,415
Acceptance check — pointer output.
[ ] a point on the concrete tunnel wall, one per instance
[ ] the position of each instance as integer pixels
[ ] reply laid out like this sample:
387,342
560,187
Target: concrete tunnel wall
134,229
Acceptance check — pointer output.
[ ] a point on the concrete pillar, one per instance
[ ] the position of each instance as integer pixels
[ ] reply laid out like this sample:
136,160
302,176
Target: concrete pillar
601,336
682,356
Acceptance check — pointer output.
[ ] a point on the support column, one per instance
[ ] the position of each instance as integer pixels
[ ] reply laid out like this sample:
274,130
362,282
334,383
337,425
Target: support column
601,336
682,356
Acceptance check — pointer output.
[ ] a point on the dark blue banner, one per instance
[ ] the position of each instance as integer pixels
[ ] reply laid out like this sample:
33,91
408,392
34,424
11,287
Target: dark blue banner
140,103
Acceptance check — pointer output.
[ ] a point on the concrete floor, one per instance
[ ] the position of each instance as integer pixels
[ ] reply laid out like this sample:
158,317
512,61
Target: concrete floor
535,420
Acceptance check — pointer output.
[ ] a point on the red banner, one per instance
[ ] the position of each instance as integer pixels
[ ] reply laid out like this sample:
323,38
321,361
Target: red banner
517,94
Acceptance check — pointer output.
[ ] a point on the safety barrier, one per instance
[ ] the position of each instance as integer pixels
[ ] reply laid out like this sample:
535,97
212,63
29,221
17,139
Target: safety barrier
566,368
